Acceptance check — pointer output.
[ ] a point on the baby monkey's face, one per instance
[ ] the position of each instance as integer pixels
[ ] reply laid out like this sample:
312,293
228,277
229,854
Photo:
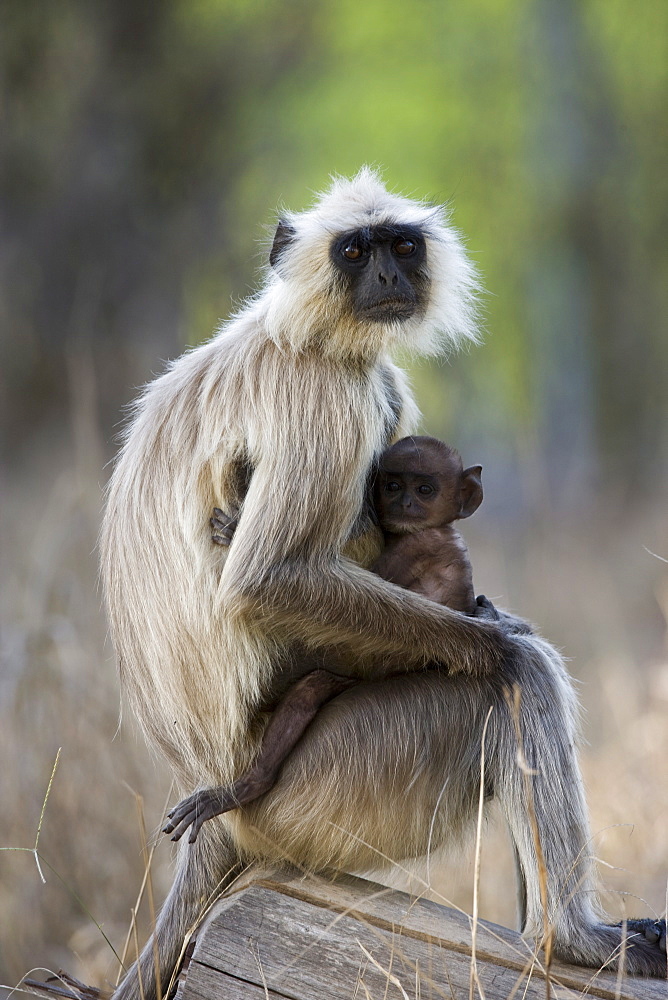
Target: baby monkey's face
412,500
421,484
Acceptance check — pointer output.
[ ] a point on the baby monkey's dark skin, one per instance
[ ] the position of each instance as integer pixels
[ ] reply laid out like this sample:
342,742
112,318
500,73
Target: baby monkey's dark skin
420,489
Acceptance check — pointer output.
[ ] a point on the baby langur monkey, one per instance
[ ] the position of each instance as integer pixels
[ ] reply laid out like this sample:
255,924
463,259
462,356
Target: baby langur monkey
421,489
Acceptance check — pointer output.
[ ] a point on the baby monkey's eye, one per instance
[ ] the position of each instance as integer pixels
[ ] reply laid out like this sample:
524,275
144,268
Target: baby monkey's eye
352,251
425,490
404,247
392,487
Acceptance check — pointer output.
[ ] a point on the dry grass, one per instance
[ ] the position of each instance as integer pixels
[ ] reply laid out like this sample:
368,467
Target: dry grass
600,595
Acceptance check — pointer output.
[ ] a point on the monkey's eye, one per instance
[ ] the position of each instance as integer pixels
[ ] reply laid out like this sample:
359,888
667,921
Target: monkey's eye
404,247
352,252
425,489
392,487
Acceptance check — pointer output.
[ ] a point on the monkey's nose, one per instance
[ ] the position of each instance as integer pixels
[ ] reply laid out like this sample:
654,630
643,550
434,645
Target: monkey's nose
388,277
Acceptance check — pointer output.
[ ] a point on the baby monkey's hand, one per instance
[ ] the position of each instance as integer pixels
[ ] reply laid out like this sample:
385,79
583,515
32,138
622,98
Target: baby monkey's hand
223,525
511,624
485,609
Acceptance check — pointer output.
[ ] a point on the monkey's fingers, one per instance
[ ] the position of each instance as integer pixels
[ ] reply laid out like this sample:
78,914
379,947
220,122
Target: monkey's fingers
182,815
197,809
225,520
511,624
197,826
220,537
231,516
181,822
169,827
485,609
223,525
183,826
214,805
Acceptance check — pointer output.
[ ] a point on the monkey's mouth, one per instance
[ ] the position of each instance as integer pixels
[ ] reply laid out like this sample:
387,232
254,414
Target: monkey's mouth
388,311
405,524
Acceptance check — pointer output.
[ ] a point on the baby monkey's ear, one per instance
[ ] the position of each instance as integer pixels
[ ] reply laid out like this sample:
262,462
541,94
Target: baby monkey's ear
470,491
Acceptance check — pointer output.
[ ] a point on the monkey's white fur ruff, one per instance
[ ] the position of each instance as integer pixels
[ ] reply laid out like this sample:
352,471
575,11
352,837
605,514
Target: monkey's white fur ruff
300,286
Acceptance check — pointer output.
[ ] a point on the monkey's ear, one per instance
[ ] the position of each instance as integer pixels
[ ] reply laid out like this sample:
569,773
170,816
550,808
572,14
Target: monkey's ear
285,233
470,493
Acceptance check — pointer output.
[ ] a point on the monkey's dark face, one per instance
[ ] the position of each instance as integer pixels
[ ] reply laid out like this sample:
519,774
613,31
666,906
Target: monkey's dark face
421,483
384,271
412,500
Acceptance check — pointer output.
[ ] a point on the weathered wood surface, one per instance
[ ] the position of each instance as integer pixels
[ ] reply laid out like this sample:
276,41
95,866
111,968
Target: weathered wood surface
304,938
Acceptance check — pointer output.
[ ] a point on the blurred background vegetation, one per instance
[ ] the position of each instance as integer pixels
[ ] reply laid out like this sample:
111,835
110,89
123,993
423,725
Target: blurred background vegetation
146,145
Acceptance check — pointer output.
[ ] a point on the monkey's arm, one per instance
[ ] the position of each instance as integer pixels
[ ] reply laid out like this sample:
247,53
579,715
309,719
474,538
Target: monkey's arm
311,453
286,726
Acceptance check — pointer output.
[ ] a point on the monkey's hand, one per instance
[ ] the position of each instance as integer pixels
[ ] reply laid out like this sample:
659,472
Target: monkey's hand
198,808
511,624
485,609
223,525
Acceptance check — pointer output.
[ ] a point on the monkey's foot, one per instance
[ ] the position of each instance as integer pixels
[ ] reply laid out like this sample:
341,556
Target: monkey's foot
197,809
642,953
209,802
648,932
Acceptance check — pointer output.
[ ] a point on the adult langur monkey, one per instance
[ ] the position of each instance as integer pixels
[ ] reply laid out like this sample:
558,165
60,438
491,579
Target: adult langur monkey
283,414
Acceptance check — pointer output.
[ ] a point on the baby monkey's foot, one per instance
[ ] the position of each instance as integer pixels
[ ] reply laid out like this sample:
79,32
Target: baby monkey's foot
197,809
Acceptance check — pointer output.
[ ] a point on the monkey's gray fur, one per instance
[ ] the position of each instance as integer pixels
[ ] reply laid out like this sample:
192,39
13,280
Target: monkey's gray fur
283,413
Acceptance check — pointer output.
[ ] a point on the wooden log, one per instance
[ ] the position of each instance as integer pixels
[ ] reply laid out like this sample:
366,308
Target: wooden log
287,935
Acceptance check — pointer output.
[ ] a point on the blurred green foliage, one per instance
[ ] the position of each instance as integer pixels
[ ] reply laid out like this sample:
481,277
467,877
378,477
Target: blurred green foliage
146,144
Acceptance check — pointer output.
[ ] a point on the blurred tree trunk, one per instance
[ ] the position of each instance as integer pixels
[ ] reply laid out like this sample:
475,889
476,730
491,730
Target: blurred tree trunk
590,285
123,152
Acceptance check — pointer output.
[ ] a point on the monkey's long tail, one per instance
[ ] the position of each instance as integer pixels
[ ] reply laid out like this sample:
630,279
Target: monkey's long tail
544,797
204,869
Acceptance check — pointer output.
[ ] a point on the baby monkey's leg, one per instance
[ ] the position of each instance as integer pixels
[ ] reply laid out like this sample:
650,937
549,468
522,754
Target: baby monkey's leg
292,715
